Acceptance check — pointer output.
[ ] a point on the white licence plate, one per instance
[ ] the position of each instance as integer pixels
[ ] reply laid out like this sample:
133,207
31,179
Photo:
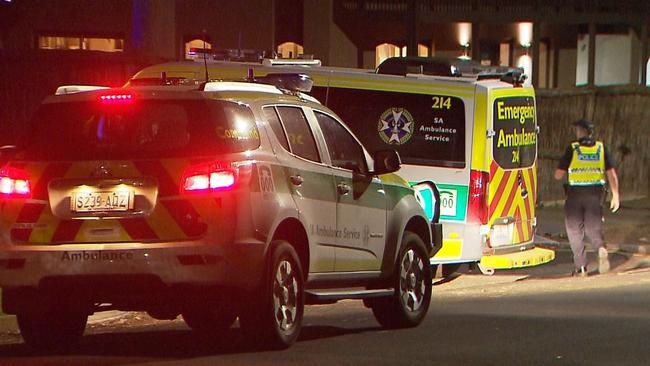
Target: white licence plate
502,234
102,201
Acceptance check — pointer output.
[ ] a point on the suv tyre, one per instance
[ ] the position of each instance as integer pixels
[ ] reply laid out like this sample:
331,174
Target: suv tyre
276,318
53,328
412,281
207,320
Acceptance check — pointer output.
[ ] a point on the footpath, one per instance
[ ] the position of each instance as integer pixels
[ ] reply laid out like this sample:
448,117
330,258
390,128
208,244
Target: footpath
627,230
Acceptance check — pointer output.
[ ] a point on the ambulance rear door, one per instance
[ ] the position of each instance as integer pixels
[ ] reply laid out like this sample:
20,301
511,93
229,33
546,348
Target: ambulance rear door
512,142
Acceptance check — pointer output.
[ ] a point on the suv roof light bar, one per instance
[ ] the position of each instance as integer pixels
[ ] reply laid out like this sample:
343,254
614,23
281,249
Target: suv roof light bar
225,86
288,81
73,89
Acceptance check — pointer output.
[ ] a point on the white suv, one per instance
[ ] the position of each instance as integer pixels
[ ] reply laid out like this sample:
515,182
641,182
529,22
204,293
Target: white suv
228,200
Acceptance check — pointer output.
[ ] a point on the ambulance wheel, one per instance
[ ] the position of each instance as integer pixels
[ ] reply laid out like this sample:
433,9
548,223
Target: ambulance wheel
408,306
273,317
52,329
206,320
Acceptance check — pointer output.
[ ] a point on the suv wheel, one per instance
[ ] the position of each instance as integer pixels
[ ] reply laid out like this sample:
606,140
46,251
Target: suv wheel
274,314
410,303
205,319
51,329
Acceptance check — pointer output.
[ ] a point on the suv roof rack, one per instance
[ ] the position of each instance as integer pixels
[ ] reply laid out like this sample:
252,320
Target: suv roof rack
445,67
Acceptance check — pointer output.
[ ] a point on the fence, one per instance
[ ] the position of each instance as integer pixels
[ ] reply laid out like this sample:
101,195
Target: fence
622,121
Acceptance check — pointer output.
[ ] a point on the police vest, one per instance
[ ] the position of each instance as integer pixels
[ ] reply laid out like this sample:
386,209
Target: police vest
587,166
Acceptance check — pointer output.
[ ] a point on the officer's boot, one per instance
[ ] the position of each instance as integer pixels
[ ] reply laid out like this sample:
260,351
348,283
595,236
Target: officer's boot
603,260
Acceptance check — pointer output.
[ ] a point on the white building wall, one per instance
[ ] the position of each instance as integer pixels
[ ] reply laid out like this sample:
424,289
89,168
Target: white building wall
613,59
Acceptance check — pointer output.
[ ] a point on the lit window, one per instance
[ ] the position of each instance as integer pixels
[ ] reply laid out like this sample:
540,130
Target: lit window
423,51
384,51
290,50
81,43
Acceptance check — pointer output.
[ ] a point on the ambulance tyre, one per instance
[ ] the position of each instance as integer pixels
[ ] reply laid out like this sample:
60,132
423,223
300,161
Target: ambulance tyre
207,320
52,329
412,281
273,317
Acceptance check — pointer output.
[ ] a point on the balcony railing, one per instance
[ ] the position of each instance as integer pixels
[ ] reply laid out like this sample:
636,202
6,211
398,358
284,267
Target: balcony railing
543,10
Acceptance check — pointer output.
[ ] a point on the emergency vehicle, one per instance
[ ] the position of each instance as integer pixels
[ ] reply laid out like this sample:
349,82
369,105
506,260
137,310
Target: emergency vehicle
470,130
219,201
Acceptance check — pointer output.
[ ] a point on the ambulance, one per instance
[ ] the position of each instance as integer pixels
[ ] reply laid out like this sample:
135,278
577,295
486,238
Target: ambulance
471,131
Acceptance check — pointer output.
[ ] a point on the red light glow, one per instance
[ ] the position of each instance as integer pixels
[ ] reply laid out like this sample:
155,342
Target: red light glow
477,211
116,98
209,181
14,183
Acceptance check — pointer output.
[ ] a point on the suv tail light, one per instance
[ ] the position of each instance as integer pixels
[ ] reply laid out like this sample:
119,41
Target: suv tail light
477,208
14,183
208,178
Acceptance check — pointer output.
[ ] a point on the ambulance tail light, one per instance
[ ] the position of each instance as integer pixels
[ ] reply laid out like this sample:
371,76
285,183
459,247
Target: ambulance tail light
477,206
207,178
14,184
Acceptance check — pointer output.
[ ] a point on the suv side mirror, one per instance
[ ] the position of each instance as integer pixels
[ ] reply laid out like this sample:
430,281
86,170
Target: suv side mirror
386,161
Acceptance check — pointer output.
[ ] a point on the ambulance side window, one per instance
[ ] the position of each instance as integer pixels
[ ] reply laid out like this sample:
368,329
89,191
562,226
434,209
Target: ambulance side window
344,149
301,139
271,116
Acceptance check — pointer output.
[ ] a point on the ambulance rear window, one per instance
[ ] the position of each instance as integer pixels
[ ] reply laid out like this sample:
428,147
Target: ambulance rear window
145,129
425,129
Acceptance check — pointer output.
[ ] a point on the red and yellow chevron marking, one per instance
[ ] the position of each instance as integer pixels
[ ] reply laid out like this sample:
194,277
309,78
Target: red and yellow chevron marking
173,218
506,200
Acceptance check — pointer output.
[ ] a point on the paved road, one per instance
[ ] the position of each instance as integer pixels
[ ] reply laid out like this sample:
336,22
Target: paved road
479,320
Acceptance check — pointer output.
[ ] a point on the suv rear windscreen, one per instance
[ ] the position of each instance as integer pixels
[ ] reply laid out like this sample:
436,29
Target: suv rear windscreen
141,129
515,141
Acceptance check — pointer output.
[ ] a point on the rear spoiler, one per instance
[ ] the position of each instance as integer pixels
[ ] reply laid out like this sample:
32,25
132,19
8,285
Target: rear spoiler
73,89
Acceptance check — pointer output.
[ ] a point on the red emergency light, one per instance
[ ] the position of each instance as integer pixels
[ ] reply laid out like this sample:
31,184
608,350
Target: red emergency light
116,99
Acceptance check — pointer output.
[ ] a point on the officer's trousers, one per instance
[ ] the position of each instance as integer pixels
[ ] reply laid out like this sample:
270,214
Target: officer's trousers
583,212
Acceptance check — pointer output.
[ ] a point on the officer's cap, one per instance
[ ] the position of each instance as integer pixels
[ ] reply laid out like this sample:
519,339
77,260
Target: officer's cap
585,123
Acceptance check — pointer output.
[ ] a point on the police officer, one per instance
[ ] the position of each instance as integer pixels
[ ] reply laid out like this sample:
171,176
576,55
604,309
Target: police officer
588,163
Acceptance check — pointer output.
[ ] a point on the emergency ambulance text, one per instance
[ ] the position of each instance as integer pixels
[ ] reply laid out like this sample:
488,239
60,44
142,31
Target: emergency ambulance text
520,112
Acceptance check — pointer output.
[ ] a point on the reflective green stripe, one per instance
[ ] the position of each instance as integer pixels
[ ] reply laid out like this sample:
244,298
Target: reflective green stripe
453,202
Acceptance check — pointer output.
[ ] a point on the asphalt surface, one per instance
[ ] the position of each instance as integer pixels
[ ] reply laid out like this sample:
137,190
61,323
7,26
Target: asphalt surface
512,318
530,316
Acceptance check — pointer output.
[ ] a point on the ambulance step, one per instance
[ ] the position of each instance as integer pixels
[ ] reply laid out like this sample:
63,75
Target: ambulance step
330,297
527,258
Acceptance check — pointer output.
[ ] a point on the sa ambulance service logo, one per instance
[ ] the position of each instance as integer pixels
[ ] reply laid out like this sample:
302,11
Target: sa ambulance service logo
396,126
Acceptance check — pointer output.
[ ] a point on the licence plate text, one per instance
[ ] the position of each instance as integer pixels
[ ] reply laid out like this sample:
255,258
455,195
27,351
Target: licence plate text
102,201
